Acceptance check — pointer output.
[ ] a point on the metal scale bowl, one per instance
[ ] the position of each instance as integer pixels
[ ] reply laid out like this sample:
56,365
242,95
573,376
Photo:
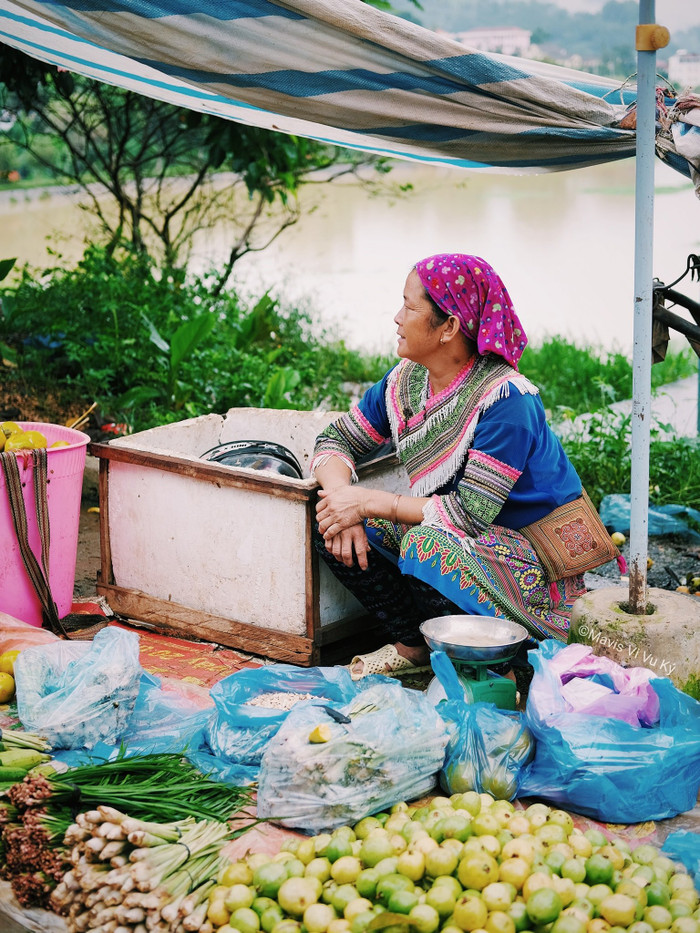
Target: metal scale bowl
473,643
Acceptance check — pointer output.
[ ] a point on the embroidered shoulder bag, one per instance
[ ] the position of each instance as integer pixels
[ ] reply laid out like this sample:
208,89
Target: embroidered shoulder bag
571,540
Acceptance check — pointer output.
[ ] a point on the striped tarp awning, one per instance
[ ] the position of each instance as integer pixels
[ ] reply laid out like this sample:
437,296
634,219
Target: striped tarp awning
338,71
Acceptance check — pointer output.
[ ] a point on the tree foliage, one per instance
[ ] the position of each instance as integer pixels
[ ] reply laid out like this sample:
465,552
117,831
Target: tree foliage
152,172
605,35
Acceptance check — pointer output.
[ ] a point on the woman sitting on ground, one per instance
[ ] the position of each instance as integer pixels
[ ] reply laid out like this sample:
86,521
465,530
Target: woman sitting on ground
482,464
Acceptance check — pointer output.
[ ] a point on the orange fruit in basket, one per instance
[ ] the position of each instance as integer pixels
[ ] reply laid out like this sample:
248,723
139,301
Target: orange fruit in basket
7,687
25,440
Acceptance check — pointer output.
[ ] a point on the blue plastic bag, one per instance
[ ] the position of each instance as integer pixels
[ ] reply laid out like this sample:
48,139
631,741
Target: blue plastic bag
488,747
227,772
164,721
604,767
684,846
663,519
239,732
388,751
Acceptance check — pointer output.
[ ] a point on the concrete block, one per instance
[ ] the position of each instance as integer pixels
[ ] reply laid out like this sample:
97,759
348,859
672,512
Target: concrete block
666,640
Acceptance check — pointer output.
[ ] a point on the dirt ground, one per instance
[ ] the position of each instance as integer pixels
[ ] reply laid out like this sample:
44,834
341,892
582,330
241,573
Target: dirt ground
88,559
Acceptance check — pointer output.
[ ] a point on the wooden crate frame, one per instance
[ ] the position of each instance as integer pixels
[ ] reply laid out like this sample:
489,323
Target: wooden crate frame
184,621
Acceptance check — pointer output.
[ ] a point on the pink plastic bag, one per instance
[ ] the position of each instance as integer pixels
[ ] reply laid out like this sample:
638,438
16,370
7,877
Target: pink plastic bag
17,635
629,698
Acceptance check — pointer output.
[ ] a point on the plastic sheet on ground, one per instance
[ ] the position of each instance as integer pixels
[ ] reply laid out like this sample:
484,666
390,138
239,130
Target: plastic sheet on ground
615,513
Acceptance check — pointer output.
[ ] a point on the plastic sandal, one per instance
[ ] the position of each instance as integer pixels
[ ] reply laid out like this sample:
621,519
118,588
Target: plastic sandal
384,660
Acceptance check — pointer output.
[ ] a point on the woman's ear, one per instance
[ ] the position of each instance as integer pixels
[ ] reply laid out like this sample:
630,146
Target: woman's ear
451,327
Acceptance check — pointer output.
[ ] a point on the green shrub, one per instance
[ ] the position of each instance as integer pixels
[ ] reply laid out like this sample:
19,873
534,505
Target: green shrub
155,348
601,452
573,380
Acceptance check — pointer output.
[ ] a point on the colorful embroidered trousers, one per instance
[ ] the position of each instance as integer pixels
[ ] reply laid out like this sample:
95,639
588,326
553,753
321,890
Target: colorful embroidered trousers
419,573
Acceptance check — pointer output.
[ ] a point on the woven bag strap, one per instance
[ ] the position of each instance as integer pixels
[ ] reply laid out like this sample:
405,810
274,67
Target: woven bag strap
38,575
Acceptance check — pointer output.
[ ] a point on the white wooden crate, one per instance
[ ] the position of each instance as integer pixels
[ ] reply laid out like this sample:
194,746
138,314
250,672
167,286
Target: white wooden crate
221,553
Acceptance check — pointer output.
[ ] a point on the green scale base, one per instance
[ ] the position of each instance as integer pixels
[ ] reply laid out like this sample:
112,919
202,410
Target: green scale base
483,686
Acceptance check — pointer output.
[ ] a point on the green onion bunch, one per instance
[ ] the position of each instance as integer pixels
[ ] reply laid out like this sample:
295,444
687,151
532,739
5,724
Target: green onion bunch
154,789
160,787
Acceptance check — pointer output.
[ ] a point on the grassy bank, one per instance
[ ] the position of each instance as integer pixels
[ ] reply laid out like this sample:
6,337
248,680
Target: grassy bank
153,348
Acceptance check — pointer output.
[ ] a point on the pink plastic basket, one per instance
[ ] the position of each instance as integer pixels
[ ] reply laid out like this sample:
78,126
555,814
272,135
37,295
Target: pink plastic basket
65,466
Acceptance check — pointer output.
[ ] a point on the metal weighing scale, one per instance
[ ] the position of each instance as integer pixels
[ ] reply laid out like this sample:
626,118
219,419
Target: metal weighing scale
472,643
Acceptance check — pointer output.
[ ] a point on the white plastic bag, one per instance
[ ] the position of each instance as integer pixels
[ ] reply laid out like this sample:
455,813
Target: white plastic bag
77,694
389,750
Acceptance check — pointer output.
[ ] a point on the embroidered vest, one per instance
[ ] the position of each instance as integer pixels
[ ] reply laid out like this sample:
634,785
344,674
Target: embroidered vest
433,433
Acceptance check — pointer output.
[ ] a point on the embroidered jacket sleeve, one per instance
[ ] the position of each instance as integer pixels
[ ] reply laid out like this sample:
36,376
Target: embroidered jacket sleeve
357,433
503,442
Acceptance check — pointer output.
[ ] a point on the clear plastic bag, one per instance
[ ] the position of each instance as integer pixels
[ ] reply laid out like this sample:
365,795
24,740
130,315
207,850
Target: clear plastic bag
604,767
390,750
488,747
162,722
239,732
684,846
77,694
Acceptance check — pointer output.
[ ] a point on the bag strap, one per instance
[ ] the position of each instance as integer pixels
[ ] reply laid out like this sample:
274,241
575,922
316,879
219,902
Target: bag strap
38,575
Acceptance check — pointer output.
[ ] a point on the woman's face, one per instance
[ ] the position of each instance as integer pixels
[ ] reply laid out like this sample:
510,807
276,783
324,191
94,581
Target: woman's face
419,338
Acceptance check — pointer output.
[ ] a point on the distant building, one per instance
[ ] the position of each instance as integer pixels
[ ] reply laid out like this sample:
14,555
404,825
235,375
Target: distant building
509,40
684,69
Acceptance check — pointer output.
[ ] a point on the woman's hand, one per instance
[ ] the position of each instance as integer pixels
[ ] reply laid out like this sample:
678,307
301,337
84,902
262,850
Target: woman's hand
349,541
339,509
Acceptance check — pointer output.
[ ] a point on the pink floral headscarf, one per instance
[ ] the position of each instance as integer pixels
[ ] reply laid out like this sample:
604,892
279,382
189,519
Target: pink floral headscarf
469,288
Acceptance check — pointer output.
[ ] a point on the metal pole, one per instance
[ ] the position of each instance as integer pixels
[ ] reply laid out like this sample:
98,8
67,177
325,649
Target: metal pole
641,360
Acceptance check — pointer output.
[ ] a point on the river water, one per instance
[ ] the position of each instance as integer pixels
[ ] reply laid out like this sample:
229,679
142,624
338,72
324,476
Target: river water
562,242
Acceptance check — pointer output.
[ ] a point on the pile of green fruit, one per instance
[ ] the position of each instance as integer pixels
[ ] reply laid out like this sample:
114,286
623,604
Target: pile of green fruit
466,864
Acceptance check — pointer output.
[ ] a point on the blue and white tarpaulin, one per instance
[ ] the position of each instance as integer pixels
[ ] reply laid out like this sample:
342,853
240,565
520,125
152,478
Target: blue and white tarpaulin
341,72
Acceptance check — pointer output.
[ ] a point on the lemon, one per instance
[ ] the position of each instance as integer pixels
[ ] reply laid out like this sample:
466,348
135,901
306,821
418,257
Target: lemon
14,441
476,871
7,687
25,440
424,918
321,733
59,444
618,539
7,661
618,909
599,869
295,895
9,427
